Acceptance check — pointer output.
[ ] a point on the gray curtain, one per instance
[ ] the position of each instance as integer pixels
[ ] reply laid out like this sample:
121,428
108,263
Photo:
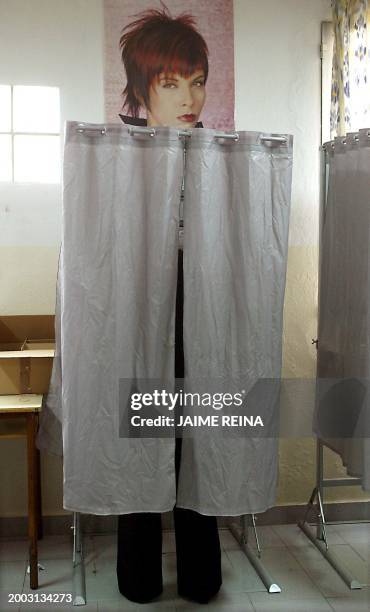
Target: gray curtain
236,220
117,290
115,313
342,417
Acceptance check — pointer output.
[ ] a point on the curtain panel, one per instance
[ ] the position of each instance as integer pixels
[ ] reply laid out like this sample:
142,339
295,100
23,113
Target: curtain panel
343,365
115,315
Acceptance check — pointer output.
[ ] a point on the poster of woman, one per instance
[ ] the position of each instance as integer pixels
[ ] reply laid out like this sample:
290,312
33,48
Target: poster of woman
170,64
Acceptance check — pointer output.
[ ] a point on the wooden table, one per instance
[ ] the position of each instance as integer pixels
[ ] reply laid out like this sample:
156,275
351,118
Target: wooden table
19,416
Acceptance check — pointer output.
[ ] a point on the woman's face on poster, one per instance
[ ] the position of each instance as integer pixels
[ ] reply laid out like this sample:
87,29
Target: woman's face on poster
176,101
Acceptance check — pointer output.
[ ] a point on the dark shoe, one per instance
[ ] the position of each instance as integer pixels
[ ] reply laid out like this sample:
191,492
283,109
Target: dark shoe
198,555
202,597
140,589
140,597
139,556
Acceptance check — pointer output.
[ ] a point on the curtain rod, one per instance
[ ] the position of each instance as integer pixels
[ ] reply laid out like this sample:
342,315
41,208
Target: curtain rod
354,135
150,131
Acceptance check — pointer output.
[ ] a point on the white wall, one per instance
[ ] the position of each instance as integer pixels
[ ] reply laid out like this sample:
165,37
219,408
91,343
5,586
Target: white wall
277,46
58,43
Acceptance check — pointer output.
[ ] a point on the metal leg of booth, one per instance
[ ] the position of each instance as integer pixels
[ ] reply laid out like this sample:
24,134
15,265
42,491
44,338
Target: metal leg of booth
240,533
79,585
321,539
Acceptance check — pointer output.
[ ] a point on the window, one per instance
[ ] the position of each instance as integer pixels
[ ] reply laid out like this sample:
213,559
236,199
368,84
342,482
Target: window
29,134
327,42
349,110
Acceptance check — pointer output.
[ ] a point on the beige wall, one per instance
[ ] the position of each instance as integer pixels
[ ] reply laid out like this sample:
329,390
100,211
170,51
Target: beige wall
278,73
277,89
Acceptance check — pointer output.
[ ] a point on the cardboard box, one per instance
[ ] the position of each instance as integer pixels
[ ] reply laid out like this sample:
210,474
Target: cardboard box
27,344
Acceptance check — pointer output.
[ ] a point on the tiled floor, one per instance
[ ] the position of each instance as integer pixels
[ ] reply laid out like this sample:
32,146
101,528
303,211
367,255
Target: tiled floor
308,582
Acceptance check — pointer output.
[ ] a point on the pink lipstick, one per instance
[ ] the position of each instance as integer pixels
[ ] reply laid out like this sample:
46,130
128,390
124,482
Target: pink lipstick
187,118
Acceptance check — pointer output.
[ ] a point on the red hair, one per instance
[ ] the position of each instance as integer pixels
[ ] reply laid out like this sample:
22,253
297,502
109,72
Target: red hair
156,43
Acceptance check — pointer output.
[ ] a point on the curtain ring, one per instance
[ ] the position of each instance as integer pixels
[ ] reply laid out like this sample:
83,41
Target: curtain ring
135,131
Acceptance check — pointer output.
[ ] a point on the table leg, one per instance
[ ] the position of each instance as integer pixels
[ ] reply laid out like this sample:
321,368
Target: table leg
32,497
38,494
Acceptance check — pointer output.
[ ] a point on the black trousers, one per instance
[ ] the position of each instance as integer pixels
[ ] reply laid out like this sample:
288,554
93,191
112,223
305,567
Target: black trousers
198,552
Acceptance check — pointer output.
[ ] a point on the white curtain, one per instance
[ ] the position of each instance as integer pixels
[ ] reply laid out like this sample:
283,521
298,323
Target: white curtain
117,284
236,220
116,308
343,414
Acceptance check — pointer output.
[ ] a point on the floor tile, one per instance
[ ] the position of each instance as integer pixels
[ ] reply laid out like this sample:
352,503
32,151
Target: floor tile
227,540
12,575
358,567
292,581
354,532
276,602
266,536
222,602
55,547
102,586
323,574
101,580
246,607
289,556
105,546
168,541
13,550
169,572
238,574
55,578
325,578
332,529
166,601
5,598
116,605
357,601
88,542
157,606
279,559
169,565
88,550
363,549
48,607
292,535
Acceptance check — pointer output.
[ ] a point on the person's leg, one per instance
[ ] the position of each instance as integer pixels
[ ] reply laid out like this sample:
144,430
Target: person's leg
139,556
199,575
198,548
